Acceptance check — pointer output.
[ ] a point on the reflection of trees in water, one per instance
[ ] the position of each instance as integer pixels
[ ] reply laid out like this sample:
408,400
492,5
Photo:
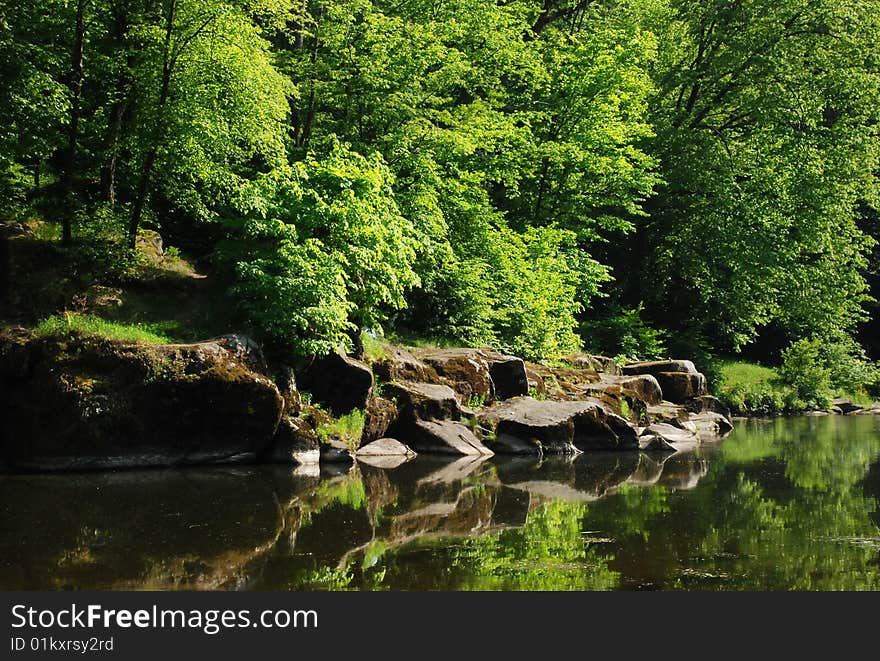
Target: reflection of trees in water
786,504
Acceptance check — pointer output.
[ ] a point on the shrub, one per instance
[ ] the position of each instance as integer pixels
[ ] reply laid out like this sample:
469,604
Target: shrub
804,370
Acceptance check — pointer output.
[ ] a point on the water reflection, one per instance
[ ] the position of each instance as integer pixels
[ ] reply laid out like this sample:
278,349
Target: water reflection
785,504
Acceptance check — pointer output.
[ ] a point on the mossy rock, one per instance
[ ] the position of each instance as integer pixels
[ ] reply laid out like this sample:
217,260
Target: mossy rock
88,402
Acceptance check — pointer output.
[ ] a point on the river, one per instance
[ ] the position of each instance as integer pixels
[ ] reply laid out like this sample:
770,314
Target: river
782,504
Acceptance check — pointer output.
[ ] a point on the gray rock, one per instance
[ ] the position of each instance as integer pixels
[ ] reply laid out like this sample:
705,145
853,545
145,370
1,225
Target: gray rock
444,437
425,401
680,387
710,423
846,406
400,365
509,377
679,379
558,427
644,386
465,370
656,367
294,443
673,435
380,416
385,447
340,383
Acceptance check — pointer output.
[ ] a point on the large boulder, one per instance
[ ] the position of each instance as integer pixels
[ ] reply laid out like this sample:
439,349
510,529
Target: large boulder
295,443
679,379
644,386
398,364
465,370
443,437
338,382
424,401
528,426
378,418
88,402
509,376
679,387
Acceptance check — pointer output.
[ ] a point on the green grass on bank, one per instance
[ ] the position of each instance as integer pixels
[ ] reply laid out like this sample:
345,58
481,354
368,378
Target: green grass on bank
754,389
61,324
741,373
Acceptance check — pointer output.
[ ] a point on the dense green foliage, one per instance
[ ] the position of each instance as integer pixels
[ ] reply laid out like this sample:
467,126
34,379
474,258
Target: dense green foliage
627,176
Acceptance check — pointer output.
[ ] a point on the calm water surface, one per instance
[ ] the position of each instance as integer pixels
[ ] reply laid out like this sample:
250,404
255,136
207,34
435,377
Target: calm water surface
786,504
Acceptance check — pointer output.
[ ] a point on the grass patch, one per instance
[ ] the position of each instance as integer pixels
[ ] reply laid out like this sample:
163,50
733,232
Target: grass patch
754,389
374,348
738,372
61,324
347,428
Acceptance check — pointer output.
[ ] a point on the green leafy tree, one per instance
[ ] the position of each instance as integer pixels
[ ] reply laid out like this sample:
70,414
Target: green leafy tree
324,253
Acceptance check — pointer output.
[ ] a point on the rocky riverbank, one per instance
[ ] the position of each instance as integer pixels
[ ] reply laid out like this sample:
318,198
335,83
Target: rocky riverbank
82,402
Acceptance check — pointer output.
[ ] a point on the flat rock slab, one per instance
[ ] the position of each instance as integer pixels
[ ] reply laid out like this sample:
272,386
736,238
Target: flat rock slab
846,406
547,426
385,447
655,367
444,437
675,436
710,423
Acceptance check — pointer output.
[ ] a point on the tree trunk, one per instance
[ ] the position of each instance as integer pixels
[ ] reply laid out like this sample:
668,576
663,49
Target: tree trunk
120,106
143,187
75,87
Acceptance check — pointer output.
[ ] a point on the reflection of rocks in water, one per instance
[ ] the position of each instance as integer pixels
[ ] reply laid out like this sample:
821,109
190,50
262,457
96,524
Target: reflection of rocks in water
683,470
649,470
581,478
272,527
600,473
156,529
381,492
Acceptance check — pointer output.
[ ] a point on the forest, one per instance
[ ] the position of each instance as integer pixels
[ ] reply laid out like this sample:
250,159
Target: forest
640,178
